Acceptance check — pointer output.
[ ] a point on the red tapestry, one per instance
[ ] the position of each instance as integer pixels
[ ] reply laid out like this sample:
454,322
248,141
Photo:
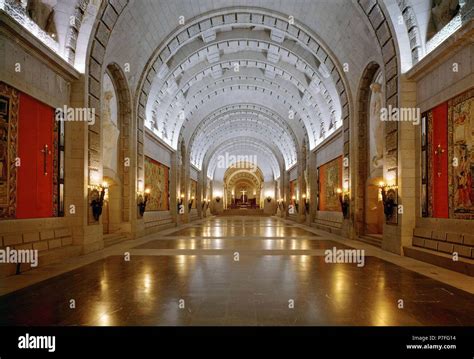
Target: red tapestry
36,151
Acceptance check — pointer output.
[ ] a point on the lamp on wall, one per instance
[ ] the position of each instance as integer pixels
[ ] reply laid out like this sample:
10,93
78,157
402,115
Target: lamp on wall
269,199
344,201
142,201
389,196
218,199
98,195
190,204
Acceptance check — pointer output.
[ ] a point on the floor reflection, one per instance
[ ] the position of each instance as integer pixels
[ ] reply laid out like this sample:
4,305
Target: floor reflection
242,244
232,231
215,289
196,288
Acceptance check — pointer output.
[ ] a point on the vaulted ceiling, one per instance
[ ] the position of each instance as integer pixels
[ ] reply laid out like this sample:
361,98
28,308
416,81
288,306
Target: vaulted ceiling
230,77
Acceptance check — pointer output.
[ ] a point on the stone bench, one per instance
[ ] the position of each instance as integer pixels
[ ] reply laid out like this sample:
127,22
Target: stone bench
445,242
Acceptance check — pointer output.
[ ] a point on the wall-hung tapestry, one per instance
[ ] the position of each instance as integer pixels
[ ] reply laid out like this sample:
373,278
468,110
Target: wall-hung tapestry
293,191
448,159
461,153
157,180
193,193
330,179
9,102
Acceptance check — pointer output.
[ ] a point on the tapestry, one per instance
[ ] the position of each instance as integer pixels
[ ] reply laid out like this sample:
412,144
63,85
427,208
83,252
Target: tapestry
157,180
193,193
330,179
429,165
461,153
9,101
293,191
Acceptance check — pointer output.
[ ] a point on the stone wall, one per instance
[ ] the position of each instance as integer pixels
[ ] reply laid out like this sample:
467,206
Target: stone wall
326,152
29,66
445,73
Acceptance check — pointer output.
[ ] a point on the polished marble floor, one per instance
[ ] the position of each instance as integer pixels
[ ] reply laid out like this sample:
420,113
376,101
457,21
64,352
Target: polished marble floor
192,276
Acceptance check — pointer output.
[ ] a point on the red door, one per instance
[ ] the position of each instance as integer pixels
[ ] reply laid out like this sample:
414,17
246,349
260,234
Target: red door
35,150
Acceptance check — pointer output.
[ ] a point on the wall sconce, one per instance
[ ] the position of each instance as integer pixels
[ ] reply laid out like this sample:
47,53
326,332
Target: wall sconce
344,201
98,195
389,196
190,204
306,203
269,199
142,201
218,199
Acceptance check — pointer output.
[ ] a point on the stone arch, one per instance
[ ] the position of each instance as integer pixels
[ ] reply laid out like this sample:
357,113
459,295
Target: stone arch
240,176
362,136
93,84
124,121
383,29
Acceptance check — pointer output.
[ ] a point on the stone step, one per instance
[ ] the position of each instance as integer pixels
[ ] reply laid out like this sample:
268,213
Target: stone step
52,256
243,212
370,240
444,260
114,238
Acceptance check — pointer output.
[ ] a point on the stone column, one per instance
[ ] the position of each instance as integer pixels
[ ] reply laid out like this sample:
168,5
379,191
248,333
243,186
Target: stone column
174,185
211,197
76,204
313,190
285,190
198,199
275,198
205,194
301,185
406,169
185,184
137,223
